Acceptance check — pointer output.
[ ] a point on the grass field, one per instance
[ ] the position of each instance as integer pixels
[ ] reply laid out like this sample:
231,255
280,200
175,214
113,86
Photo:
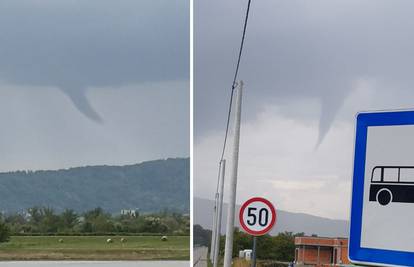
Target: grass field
95,248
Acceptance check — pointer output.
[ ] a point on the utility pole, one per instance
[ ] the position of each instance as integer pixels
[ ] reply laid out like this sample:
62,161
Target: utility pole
219,212
213,232
233,179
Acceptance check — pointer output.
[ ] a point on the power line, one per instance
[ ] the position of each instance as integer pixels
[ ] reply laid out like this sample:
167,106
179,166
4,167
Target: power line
233,86
234,80
241,44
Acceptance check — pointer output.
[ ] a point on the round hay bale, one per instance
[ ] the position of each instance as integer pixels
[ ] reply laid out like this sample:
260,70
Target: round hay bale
109,240
123,240
164,238
60,240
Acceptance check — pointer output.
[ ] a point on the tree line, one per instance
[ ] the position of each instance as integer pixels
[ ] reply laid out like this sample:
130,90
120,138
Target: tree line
280,247
45,221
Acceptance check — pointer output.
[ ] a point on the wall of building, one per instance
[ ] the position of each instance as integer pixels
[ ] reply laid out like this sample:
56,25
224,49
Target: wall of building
309,255
331,251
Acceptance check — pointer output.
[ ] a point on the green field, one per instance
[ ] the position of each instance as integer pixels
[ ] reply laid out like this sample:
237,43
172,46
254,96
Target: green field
95,248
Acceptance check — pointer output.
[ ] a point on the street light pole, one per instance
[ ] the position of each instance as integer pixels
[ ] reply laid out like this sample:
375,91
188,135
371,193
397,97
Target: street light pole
213,232
219,212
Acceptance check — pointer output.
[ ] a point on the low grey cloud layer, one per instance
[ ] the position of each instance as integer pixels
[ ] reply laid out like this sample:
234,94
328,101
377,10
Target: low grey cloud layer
75,45
299,49
123,64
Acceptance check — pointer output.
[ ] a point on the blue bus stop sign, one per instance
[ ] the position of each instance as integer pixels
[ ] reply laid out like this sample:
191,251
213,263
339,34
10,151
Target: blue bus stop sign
382,210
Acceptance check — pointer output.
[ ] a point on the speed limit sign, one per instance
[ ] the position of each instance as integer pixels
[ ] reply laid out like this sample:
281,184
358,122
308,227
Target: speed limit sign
257,216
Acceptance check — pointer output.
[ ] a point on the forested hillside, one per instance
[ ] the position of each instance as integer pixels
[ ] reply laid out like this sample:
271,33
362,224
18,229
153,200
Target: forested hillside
149,187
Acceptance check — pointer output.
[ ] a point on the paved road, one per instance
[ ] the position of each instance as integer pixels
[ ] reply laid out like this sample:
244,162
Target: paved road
200,256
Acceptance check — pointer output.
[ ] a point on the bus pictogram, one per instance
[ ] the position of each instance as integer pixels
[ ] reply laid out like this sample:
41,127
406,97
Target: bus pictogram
392,184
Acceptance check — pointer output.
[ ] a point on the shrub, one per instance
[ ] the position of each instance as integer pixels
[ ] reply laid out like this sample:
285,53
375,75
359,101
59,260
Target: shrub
4,232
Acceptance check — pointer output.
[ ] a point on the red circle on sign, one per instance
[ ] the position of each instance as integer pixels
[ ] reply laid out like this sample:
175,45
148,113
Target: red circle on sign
272,210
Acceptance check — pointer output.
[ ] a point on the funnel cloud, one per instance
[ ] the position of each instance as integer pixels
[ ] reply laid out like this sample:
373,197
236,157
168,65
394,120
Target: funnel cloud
81,102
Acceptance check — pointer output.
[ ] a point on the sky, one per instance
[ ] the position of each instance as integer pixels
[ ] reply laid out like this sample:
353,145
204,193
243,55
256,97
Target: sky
93,82
308,68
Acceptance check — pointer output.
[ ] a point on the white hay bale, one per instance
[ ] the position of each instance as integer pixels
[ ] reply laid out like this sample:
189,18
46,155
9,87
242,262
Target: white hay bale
164,238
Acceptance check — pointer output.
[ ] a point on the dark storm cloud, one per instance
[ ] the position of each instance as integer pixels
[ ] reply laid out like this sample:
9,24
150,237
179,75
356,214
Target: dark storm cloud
299,50
74,45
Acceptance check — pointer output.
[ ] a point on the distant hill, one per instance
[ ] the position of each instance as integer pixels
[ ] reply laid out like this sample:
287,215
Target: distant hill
286,221
149,186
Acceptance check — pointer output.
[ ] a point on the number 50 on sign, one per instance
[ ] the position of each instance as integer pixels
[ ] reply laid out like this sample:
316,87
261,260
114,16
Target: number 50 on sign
257,216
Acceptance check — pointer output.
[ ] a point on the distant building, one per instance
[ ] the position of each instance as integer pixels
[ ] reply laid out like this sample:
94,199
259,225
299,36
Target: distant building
321,251
131,212
245,254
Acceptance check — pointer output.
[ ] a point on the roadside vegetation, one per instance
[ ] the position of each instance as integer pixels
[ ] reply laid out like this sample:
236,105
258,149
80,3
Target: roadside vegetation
274,248
45,221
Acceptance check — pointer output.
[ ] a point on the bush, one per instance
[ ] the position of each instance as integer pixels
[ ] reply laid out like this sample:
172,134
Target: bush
4,232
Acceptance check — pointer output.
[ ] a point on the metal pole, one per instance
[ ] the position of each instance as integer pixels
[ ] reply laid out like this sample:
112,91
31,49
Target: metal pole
213,230
254,251
219,213
233,180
